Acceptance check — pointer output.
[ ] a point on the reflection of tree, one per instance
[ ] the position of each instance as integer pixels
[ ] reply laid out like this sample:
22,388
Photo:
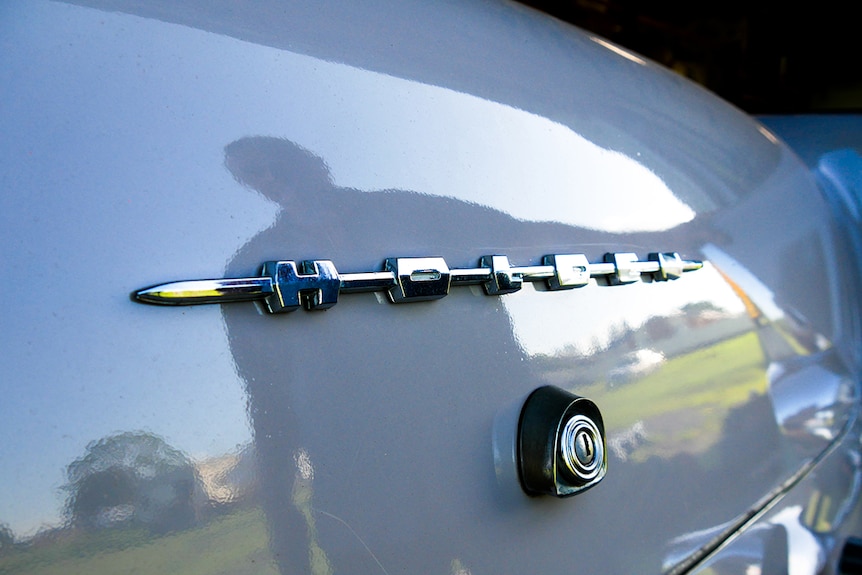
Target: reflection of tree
131,478
702,306
7,538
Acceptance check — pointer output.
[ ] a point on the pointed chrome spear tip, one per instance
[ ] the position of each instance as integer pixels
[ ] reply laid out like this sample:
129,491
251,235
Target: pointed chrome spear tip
163,294
193,292
692,265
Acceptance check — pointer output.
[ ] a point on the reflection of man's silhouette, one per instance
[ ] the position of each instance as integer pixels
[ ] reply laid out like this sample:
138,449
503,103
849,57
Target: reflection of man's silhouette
401,365
403,408
404,366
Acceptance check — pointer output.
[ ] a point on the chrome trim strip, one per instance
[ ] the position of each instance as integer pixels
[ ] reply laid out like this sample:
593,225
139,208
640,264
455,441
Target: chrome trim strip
315,284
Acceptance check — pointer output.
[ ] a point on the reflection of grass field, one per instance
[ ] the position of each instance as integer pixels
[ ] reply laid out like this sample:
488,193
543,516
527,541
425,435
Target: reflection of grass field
702,385
684,405
236,544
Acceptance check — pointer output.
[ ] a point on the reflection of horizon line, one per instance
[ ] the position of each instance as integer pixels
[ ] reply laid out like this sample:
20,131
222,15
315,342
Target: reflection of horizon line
735,273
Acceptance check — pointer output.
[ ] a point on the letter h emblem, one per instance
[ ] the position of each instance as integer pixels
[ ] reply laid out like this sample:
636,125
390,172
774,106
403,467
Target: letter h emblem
314,286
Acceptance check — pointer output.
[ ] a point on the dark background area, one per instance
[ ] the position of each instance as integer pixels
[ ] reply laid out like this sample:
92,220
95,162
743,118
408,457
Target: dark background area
766,57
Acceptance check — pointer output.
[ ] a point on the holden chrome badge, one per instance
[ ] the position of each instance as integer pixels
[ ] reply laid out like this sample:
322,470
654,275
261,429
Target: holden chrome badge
315,284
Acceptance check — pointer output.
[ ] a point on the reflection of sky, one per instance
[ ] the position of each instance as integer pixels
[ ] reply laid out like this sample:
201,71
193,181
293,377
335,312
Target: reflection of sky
515,152
546,324
151,194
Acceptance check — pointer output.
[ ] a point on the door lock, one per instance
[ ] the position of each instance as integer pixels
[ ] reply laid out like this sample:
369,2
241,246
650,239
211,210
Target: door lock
561,443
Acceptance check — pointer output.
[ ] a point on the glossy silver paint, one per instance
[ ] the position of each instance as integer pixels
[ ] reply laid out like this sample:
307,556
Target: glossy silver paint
157,142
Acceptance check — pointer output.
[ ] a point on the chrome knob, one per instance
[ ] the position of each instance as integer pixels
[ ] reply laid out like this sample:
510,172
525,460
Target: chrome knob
561,443
581,448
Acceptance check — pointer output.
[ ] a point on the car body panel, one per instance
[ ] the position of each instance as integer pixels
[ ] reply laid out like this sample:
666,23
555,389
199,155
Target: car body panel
146,144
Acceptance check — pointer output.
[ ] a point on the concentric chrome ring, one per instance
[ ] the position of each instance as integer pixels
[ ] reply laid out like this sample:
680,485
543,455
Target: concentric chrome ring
582,448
